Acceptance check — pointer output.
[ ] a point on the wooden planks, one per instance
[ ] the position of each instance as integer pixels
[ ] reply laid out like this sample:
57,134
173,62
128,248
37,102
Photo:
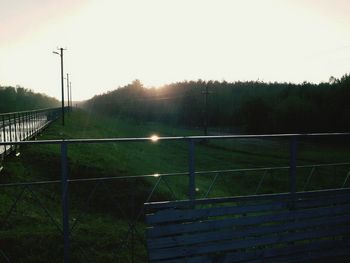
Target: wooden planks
173,215
249,228
292,253
282,196
213,236
224,223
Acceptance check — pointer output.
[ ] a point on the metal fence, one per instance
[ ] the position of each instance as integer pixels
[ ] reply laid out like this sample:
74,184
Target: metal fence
23,125
130,246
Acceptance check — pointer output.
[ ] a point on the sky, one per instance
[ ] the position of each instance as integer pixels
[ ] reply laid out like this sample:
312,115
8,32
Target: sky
110,43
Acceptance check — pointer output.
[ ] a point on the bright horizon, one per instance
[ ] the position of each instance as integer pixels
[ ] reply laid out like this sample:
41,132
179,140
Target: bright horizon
111,43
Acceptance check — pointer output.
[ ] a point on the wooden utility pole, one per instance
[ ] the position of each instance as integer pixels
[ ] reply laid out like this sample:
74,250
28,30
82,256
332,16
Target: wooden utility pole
61,55
68,90
206,93
70,95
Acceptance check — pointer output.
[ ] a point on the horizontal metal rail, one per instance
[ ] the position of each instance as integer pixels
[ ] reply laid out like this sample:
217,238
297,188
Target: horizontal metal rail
143,176
177,138
29,111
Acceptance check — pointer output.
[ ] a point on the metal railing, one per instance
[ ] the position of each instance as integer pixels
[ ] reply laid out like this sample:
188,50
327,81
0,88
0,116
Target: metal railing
67,225
23,125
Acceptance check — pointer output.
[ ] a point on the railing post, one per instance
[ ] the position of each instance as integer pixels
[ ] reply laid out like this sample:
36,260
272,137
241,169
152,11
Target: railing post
292,166
4,132
65,206
31,117
191,168
23,127
22,121
35,124
27,125
10,130
20,126
16,137
15,123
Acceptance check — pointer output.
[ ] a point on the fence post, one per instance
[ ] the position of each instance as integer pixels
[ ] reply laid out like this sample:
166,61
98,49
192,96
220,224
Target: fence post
191,168
292,166
65,206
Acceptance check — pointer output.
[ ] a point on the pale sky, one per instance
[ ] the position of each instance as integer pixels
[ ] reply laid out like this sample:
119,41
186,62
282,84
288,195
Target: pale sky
112,42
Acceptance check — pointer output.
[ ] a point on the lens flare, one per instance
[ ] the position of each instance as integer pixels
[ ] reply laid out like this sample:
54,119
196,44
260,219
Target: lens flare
154,138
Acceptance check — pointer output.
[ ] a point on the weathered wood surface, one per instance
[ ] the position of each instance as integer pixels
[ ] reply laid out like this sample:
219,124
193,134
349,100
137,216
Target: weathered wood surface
310,226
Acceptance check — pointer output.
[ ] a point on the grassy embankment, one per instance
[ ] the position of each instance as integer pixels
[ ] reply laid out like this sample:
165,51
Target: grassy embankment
101,223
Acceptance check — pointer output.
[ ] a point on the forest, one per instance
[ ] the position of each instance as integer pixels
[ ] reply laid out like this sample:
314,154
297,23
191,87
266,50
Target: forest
19,99
252,107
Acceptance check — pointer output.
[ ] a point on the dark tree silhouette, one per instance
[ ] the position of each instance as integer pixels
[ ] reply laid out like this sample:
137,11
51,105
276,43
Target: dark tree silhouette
255,107
19,99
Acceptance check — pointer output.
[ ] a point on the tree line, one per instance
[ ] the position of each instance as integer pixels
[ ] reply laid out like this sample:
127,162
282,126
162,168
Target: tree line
19,99
253,106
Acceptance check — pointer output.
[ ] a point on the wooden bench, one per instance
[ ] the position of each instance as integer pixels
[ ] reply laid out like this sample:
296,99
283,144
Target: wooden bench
280,227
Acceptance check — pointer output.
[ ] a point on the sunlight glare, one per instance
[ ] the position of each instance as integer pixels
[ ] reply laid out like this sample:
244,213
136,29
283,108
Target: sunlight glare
268,40
154,138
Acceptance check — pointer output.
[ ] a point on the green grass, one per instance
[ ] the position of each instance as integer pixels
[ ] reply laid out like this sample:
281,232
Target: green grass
101,219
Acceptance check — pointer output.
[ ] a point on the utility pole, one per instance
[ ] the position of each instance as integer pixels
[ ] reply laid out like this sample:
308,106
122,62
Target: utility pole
61,55
68,90
70,96
206,93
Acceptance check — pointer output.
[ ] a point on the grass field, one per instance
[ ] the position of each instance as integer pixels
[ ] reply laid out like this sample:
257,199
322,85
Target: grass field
100,212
